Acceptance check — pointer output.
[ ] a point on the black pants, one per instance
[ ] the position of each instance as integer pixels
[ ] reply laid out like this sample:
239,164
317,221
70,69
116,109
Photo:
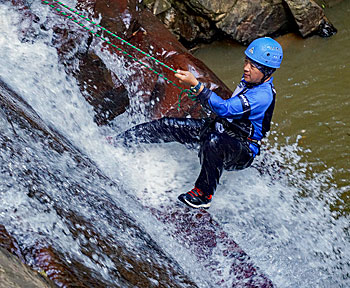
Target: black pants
218,151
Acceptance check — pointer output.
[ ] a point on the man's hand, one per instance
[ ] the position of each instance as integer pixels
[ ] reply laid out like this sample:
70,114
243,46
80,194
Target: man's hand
186,77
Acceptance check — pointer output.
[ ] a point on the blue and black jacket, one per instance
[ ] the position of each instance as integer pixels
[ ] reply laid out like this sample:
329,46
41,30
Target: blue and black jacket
248,112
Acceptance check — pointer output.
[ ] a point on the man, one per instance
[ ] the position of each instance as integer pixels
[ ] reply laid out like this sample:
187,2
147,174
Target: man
232,139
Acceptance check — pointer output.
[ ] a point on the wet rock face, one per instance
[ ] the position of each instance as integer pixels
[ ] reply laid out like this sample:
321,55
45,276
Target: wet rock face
62,273
87,232
104,92
9,243
101,88
96,65
137,261
145,31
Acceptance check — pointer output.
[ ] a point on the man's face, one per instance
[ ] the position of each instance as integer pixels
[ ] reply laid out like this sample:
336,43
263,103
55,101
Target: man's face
251,73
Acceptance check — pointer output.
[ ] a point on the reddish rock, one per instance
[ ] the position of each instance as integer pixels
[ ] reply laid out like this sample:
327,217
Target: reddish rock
104,92
104,89
74,274
201,234
150,35
9,243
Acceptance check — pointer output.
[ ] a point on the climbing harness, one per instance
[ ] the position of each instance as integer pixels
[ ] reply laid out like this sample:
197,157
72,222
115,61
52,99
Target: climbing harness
54,3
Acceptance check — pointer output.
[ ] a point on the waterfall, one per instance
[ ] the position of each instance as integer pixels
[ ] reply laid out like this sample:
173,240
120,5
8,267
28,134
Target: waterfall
87,192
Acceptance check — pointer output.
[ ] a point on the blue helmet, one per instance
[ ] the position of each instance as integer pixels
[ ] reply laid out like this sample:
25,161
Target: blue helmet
265,51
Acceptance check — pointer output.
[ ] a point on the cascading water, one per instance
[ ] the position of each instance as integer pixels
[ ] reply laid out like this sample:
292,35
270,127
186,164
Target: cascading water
278,211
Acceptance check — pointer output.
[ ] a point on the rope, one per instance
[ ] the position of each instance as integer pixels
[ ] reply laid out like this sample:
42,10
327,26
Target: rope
94,33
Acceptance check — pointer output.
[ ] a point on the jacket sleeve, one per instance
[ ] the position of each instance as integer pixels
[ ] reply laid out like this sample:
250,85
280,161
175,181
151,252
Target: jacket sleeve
233,108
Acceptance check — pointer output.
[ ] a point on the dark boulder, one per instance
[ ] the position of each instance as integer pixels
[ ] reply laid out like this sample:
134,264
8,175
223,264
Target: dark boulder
197,21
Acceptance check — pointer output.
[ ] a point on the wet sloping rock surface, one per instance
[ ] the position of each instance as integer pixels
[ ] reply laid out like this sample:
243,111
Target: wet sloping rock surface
42,174
80,226
206,239
64,221
10,244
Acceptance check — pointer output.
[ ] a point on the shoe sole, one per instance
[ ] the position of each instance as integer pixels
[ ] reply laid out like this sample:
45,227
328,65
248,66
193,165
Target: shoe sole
205,206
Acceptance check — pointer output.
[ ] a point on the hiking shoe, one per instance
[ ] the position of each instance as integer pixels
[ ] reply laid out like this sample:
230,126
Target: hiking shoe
196,199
